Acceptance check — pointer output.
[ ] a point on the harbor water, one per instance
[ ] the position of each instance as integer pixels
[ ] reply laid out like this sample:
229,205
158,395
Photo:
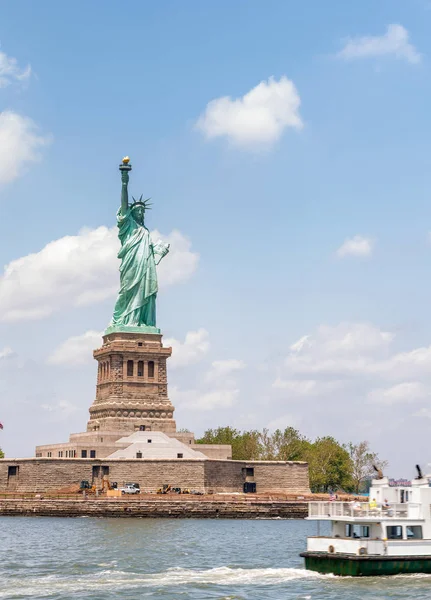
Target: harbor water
104,559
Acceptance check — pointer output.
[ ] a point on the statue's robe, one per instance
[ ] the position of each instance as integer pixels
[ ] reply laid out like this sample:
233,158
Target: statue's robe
136,302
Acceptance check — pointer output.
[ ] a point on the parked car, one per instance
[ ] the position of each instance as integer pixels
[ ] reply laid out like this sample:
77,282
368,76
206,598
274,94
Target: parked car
130,488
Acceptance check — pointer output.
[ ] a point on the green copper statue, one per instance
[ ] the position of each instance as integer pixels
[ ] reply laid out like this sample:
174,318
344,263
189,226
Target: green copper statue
135,309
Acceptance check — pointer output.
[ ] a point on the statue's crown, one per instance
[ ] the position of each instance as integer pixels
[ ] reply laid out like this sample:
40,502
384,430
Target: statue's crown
144,203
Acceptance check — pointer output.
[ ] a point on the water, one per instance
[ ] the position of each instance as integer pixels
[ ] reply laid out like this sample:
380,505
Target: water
103,559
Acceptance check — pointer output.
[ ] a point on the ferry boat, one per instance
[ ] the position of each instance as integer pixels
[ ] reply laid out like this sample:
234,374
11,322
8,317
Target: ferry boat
388,535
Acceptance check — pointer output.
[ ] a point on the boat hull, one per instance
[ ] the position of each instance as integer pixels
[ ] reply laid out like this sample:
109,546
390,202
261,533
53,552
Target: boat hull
365,566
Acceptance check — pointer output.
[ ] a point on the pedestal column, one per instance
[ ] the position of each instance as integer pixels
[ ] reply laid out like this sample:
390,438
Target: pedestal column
131,390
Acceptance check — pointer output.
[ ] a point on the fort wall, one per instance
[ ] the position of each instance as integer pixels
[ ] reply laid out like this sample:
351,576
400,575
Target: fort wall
203,475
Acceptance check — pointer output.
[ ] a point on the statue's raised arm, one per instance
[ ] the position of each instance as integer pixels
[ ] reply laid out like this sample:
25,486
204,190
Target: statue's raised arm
125,168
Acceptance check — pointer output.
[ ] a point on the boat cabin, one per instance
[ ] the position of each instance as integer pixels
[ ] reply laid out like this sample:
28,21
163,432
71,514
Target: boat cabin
395,522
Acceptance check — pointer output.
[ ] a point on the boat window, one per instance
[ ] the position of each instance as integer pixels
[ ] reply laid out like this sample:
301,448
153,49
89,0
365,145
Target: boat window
394,532
348,530
414,532
360,531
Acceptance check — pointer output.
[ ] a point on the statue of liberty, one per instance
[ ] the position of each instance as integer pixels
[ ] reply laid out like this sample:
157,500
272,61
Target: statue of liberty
136,302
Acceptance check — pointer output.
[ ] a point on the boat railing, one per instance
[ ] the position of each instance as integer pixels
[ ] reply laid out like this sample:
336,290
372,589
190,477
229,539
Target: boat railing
361,510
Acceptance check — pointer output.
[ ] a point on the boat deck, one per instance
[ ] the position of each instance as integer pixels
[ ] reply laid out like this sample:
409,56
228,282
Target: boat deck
348,511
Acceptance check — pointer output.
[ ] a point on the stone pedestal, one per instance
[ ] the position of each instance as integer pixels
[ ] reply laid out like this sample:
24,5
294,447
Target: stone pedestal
132,389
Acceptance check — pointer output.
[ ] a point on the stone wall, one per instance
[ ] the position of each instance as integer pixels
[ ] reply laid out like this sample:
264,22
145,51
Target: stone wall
222,451
269,476
224,476
158,507
41,474
274,476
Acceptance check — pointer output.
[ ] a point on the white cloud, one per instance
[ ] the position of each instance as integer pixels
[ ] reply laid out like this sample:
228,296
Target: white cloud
216,399
301,387
303,342
204,400
353,338
356,246
10,71
60,410
6,352
365,361
217,389
423,413
395,42
76,350
79,270
196,345
358,355
256,119
408,391
305,387
20,143
180,264
284,421
344,348
404,365
222,369
353,382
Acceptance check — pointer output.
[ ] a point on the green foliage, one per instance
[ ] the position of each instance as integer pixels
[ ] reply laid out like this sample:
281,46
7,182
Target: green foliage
245,445
1,453
283,445
363,463
254,445
332,466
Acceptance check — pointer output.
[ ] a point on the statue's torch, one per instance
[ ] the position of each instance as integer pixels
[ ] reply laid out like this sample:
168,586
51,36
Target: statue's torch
125,167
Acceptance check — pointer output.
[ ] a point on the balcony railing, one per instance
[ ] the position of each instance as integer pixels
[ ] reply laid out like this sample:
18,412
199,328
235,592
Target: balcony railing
363,510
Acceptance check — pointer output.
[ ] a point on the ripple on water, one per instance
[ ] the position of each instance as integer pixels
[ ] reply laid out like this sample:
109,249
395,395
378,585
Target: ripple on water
107,559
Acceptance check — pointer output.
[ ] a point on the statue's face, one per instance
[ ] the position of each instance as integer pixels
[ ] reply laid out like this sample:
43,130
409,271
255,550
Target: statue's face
138,214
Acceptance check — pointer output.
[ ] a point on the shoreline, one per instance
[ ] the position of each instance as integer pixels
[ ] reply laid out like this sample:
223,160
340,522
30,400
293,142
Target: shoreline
173,508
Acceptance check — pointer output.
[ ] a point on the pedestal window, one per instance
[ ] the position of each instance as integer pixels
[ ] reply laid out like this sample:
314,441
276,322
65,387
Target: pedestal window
150,369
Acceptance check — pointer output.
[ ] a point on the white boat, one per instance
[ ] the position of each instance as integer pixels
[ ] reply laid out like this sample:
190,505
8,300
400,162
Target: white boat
390,534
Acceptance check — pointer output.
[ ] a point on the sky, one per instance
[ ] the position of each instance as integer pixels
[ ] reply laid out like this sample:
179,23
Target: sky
286,149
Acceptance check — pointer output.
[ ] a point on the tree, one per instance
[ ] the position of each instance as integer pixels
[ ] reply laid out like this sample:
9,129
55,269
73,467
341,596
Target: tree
329,464
245,445
363,461
221,435
283,445
1,453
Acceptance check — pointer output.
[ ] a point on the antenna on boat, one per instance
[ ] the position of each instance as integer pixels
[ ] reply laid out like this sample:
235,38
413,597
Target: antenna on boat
378,471
419,470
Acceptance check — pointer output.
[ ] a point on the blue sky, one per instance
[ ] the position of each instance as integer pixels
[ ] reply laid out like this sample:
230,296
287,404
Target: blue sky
301,208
